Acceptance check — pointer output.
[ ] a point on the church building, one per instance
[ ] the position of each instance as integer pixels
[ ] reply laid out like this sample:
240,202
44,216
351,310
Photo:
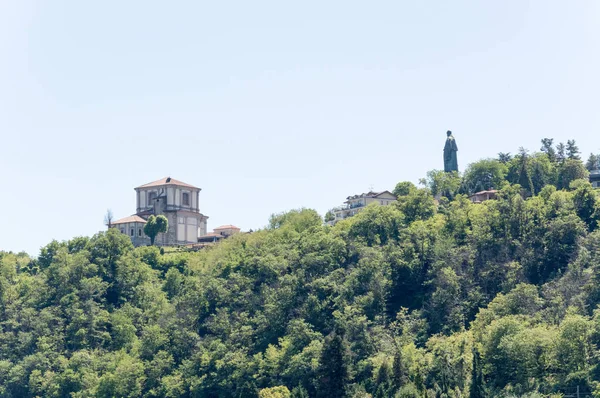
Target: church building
178,201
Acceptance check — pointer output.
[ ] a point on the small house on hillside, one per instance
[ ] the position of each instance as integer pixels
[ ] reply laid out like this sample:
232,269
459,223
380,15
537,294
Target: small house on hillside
356,203
483,196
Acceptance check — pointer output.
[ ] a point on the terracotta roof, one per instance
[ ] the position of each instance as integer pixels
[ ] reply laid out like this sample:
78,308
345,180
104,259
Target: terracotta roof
166,181
226,227
134,218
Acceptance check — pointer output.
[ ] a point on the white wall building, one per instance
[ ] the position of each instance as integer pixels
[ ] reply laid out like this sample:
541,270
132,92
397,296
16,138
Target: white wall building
356,203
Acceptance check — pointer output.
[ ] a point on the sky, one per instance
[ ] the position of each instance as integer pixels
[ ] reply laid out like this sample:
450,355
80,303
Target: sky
269,105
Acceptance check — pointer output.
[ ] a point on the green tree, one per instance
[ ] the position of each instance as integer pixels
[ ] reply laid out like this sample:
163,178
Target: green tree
573,150
484,175
561,150
476,389
329,216
334,368
524,179
548,149
154,226
404,188
441,183
593,162
569,171
504,157
275,392
398,370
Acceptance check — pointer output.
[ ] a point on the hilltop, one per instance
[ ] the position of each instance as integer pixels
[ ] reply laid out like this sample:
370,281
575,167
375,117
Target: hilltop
432,296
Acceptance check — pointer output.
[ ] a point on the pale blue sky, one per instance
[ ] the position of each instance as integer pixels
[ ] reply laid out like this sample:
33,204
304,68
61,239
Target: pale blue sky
272,105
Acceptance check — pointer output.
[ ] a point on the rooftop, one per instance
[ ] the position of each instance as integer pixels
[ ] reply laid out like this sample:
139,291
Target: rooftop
226,227
167,181
134,218
369,194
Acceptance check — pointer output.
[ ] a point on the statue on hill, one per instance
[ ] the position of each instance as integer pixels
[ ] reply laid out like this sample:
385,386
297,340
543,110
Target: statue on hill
450,158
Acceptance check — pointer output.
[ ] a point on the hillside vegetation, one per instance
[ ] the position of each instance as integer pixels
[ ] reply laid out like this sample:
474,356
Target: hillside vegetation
424,298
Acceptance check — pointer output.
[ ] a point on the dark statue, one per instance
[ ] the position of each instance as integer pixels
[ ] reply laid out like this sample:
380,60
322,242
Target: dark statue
450,158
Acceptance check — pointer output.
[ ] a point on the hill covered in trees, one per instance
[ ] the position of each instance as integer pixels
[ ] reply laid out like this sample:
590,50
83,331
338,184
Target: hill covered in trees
431,297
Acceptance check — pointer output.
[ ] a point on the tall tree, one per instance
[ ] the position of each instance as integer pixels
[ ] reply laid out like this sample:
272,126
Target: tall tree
476,389
398,370
108,218
593,162
524,176
561,150
572,150
504,157
154,226
548,149
333,369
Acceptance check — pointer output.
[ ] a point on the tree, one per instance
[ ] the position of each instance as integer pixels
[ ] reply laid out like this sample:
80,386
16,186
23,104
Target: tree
329,216
593,162
569,171
484,175
383,381
154,226
404,188
573,150
525,180
398,370
275,392
476,390
504,157
561,152
108,218
548,149
333,369
442,183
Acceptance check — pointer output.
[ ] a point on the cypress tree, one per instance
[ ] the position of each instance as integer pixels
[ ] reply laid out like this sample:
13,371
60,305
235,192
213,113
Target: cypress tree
333,371
398,371
476,390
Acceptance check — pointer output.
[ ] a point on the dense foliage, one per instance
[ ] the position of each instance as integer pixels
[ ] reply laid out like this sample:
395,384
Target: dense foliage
430,297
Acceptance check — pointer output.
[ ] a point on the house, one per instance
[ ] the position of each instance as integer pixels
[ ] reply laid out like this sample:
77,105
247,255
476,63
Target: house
219,233
356,203
595,178
178,201
483,196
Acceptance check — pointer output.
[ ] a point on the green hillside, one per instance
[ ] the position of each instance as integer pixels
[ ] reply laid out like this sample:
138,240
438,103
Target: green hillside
424,298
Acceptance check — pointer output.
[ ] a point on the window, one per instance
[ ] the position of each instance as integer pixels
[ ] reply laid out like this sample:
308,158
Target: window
132,234
122,231
181,220
185,198
151,197
140,232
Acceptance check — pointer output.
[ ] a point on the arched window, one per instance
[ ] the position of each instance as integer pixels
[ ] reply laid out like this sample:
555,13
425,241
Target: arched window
139,232
132,232
185,199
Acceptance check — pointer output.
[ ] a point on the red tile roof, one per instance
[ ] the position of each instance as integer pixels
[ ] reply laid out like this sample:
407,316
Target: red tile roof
166,181
226,227
134,218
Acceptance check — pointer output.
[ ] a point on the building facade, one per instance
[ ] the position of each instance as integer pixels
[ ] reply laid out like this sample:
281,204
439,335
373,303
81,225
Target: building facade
178,201
356,203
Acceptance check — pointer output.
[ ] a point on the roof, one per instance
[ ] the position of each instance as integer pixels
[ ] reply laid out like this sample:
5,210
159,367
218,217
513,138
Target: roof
370,194
484,192
167,181
211,236
226,227
134,218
